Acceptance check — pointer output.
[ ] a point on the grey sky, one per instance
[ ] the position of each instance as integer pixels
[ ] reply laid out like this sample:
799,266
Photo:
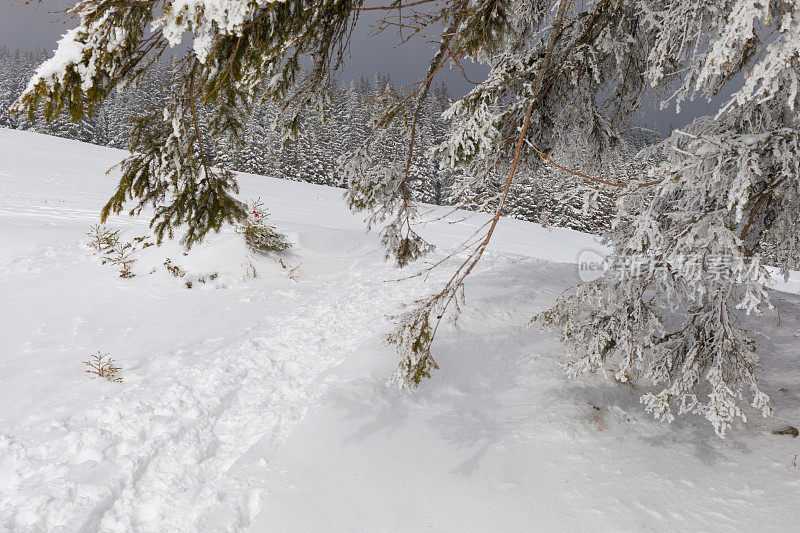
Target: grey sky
28,27
32,26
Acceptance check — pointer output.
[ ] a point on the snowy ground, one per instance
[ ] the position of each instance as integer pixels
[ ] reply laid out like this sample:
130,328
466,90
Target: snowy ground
260,403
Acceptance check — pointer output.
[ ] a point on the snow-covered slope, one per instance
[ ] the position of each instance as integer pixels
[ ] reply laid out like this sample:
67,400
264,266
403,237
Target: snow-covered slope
259,403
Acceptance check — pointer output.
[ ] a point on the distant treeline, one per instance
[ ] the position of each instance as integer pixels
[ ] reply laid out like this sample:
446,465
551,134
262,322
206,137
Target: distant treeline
540,197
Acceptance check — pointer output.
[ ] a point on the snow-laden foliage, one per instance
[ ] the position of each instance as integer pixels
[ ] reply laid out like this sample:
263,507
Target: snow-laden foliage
668,311
685,264
241,51
563,80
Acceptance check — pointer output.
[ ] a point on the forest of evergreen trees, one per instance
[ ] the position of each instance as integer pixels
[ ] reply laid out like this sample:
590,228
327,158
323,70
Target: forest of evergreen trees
545,197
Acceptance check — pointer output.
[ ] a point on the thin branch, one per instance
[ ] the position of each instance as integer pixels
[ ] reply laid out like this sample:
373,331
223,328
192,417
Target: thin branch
455,285
396,5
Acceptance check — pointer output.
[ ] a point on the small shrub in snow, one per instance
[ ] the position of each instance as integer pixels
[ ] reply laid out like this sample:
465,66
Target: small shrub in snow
175,270
121,256
292,272
178,272
258,234
107,243
102,366
249,271
102,239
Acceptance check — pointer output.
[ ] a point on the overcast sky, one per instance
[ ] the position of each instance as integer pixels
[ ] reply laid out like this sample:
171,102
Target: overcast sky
32,26
28,27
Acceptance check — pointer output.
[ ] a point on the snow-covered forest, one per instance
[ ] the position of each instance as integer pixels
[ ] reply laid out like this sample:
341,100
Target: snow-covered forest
545,197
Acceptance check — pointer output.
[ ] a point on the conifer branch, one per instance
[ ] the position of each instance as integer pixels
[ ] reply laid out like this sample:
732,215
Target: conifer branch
415,334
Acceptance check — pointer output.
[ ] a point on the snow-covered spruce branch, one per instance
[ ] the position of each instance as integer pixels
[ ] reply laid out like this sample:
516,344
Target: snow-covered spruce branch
170,171
241,52
386,191
686,269
520,86
417,329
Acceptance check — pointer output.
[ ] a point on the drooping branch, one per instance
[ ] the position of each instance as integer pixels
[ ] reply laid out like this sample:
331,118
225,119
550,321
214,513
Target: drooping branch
417,330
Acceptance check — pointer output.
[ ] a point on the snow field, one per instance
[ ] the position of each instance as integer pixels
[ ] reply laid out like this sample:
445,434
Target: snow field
261,403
